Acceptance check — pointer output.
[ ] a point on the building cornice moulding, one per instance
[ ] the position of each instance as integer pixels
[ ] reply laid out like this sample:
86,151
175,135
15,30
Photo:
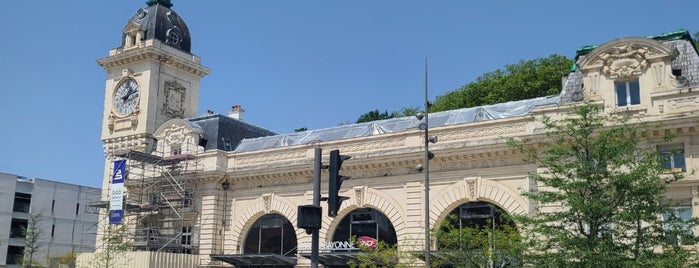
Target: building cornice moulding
139,142
153,53
489,132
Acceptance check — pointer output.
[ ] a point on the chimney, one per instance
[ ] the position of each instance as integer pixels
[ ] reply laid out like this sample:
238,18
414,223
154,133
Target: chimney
236,112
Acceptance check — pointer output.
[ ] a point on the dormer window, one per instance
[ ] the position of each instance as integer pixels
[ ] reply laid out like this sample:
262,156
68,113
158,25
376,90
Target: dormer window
677,72
133,37
627,93
227,145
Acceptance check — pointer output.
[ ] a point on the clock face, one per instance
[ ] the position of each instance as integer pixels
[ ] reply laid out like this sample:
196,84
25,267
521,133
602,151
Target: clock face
126,97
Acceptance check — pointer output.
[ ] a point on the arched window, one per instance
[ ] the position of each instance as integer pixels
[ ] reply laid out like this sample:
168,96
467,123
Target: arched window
273,234
366,222
473,227
479,214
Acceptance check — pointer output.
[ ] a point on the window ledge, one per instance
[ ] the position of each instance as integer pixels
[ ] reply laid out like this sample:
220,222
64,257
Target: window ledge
673,170
634,109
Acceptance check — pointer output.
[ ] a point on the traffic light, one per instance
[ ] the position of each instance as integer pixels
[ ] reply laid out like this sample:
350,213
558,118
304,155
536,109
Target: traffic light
335,182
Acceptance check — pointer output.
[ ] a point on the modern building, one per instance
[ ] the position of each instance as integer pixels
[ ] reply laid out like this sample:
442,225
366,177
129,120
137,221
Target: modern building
215,191
64,224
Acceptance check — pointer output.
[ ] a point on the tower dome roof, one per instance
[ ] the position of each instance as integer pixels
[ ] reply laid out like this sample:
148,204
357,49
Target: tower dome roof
159,22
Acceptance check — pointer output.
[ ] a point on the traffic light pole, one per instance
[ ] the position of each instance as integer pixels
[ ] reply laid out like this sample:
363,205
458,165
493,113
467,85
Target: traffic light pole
317,165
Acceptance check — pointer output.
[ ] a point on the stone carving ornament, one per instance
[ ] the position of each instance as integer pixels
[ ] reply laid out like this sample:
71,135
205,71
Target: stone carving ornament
267,200
471,187
359,193
173,105
624,62
175,134
625,58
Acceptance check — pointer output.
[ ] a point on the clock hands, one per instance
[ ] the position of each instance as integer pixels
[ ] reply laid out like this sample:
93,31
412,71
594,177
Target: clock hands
128,94
126,97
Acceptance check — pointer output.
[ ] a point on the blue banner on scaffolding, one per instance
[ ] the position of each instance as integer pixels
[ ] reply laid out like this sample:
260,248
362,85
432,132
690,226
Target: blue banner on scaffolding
116,194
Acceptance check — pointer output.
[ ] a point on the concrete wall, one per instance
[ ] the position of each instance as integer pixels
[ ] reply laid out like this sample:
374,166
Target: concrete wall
62,230
7,195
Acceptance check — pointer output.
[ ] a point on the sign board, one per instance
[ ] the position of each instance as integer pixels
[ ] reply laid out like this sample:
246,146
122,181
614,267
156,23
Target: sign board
329,246
116,194
340,246
368,241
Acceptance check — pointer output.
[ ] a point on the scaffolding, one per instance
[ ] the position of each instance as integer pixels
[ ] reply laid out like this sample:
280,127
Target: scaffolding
159,208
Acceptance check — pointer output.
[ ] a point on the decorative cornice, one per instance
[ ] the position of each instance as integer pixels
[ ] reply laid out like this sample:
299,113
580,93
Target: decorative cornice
400,162
267,157
481,132
153,53
373,145
377,145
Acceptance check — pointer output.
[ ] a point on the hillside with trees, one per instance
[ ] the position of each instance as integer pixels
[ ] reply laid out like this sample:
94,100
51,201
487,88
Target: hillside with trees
525,80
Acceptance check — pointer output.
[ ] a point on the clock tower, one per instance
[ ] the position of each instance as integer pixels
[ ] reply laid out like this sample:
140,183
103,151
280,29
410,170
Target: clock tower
151,78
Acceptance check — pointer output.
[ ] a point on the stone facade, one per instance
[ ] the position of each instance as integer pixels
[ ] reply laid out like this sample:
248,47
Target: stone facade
231,190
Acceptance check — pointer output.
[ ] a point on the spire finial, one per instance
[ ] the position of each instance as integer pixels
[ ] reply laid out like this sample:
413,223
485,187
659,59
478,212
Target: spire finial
165,3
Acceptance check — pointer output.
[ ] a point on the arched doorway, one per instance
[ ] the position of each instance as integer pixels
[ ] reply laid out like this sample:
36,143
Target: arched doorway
480,233
270,242
364,225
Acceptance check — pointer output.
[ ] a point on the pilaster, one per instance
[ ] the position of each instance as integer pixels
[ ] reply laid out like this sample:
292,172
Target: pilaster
415,214
211,221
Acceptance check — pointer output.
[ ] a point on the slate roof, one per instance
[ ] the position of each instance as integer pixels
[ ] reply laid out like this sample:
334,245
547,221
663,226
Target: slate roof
221,129
162,23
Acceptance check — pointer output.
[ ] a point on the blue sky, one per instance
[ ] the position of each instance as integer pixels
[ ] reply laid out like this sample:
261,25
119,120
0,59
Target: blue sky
290,64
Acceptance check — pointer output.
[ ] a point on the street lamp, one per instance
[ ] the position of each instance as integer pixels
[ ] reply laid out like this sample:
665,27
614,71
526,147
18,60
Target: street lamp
424,116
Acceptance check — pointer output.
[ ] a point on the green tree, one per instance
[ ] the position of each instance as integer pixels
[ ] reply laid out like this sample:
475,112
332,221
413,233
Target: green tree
609,182
479,246
32,233
373,116
114,247
66,260
376,115
524,80
383,255
406,111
